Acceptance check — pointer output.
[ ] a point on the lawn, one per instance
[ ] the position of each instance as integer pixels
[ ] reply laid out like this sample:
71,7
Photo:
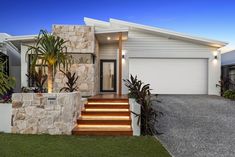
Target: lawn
14,145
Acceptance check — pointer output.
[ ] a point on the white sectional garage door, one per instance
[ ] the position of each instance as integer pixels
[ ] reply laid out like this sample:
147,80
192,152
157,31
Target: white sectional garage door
172,76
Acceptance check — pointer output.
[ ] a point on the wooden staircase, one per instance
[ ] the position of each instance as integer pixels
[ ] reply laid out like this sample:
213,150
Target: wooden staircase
105,117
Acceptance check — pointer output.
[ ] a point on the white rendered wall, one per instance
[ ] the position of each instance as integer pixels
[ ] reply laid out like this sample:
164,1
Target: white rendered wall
5,117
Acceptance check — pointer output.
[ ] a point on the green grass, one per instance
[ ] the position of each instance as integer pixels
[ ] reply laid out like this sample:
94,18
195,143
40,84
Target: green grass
14,145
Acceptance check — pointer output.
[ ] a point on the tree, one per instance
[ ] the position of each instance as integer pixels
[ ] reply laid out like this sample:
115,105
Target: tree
51,50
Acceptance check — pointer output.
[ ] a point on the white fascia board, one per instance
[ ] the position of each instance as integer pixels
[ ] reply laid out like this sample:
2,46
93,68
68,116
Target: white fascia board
21,38
101,31
94,22
209,42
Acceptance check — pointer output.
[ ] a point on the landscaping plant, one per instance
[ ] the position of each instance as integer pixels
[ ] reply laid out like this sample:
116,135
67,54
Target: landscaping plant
39,79
51,50
225,84
71,82
141,93
7,83
229,94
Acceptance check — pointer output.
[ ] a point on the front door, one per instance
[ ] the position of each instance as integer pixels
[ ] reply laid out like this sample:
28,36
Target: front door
108,75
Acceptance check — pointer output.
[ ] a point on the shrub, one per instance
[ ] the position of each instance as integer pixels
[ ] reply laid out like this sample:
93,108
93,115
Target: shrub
71,83
7,83
141,93
229,94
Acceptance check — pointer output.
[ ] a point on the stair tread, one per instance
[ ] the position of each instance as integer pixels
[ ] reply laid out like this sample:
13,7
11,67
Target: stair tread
105,118
101,129
106,110
107,103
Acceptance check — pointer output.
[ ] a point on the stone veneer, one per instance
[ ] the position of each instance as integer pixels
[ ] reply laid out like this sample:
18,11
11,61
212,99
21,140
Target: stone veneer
80,39
86,80
49,113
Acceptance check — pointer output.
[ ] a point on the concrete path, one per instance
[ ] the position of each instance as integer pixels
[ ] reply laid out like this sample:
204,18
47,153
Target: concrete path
197,125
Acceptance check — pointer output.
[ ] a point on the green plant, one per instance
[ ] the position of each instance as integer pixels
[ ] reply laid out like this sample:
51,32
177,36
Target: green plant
7,83
141,93
71,83
51,50
229,94
38,78
225,84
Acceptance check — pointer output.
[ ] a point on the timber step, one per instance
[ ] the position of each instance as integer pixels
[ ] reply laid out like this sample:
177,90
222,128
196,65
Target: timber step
104,121
102,131
105,113
101,101
106,106
106,110
105,116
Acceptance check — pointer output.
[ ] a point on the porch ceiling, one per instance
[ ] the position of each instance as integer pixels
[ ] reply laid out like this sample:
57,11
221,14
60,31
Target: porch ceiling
110,37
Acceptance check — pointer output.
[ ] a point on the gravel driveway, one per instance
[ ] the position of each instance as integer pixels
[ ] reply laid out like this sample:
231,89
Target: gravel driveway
197,125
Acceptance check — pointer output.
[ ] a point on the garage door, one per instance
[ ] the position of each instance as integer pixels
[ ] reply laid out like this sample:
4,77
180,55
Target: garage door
172,76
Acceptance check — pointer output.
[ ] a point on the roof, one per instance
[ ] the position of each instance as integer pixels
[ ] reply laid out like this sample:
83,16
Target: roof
228,58
114,23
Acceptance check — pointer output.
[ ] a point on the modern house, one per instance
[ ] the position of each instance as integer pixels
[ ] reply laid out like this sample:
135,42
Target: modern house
10,53
228,67
108,52
105,53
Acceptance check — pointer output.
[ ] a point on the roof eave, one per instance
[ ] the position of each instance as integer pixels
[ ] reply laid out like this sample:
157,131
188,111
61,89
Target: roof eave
204,41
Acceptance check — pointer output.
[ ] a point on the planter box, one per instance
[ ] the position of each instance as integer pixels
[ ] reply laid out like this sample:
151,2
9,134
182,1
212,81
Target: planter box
5,117
136,108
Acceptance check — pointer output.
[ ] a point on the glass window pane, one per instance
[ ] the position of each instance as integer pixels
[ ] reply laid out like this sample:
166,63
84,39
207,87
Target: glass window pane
108,76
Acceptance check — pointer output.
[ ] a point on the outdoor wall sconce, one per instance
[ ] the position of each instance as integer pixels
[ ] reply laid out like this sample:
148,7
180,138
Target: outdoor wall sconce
123,56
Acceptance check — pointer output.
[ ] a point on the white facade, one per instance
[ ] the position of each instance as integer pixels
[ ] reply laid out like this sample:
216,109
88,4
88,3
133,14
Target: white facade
144,45
194,56
152,53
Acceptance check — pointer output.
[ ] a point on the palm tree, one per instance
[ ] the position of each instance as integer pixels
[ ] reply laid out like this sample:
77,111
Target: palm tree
51,51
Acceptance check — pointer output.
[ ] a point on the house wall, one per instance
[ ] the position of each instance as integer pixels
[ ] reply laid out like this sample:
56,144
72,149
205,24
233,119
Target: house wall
80,40
14,60
142,44
108,51
24,63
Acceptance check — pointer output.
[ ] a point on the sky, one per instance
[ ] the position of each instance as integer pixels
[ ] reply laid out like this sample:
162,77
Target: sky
214,19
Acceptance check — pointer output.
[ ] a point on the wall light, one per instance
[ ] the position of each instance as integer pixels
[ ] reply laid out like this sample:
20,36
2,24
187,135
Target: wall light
215,57
108,38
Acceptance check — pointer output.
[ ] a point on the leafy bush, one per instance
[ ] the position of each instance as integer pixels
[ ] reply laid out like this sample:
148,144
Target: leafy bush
71,83
229,94
141,93
7,83
39,79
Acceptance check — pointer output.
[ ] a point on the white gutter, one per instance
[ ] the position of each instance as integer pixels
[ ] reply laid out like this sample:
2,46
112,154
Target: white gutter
21,38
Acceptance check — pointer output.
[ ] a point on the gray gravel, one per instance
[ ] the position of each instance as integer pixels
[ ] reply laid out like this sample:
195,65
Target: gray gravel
197,125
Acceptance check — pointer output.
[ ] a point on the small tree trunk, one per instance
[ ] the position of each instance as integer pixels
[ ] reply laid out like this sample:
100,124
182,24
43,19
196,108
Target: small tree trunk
50,79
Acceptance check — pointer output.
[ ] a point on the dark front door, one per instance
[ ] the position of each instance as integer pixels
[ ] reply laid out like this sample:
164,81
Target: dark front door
108,75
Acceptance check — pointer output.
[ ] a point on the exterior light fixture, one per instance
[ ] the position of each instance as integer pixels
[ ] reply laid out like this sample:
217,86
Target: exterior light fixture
215,57
108,38
123,56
